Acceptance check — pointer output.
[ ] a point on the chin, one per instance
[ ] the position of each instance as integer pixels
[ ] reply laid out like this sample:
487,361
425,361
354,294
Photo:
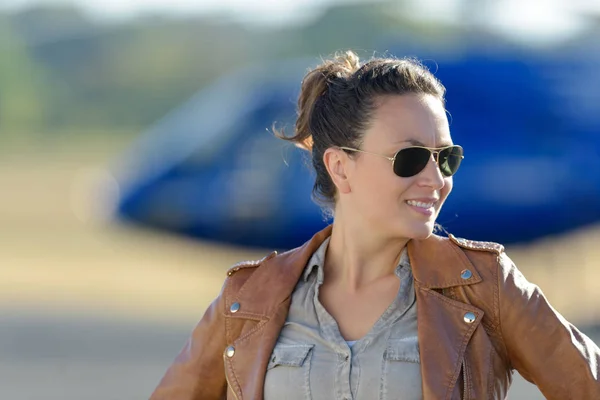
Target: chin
421,232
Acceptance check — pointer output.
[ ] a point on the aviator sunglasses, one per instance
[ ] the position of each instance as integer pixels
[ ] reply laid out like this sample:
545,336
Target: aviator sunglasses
410,161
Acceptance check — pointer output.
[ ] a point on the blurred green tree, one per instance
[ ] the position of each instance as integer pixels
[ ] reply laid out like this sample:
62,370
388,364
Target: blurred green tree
63,70
22,85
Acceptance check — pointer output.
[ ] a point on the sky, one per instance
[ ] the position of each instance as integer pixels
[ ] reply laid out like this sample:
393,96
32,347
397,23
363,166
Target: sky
119,9
538,20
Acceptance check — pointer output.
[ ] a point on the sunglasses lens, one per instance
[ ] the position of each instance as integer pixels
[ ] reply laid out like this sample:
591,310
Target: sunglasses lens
410,161
450,159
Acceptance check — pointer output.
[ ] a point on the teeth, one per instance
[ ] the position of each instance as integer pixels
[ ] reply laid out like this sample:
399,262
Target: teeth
419,204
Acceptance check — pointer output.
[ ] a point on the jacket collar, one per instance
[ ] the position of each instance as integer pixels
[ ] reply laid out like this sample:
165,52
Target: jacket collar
436,263
275,279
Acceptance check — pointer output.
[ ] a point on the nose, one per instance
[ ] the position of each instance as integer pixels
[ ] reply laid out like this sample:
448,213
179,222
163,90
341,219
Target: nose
432,176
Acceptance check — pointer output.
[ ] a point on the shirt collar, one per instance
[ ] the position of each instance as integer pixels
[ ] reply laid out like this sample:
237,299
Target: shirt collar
317,261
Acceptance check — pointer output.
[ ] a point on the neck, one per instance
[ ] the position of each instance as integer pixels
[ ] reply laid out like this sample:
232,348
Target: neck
355,259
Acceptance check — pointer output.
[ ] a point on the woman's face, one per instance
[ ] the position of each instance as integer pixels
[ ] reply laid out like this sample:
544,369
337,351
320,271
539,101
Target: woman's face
386,202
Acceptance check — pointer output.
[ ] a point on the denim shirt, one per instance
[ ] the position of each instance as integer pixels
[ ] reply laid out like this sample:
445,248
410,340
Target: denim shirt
311,359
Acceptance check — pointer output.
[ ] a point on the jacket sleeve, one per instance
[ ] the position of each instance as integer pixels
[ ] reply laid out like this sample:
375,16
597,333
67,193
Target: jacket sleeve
541,344
198,371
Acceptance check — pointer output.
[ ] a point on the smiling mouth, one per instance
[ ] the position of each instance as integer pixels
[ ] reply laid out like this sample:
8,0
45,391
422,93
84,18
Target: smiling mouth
420,204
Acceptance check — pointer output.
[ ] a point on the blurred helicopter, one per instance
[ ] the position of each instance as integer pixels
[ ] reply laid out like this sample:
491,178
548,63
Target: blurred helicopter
530,128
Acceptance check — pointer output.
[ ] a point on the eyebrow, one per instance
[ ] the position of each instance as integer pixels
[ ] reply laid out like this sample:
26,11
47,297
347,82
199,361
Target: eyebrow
415,142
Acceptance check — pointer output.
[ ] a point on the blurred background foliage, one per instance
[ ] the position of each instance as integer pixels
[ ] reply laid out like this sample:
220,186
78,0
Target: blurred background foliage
61,69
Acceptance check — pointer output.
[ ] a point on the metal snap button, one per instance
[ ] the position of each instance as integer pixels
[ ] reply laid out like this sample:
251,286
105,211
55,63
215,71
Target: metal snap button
235,307
469,318
230,351
466,274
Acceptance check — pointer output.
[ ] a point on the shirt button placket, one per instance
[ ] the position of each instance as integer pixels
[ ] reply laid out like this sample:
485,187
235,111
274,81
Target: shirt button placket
345,370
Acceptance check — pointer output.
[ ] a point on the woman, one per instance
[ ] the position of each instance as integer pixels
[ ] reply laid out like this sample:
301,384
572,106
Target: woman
376,306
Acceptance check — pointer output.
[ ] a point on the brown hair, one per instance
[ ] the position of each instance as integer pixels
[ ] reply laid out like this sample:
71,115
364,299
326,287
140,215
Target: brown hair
337,101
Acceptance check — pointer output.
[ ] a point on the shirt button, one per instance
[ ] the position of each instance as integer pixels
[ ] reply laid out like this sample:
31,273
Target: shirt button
235,307
230,351
347,357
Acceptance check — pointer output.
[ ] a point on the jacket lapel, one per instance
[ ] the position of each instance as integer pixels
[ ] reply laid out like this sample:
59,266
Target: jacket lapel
265,297
444,325
443,338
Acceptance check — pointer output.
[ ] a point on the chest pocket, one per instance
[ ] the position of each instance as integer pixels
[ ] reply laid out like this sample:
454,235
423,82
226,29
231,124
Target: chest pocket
401,374
288,372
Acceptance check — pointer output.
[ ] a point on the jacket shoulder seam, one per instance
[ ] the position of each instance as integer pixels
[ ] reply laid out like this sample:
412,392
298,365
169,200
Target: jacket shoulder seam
249,264
242,265
476,245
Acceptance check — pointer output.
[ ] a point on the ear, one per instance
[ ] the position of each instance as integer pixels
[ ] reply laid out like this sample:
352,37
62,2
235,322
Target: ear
337,163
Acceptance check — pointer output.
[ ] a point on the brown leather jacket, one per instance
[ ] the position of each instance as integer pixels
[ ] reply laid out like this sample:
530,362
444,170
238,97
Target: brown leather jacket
478,319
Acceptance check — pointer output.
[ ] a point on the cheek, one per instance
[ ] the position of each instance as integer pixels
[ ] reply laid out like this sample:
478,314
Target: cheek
374,179
382,188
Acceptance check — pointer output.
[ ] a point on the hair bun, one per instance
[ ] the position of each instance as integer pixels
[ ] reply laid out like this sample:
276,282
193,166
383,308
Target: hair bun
314,85
343,64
